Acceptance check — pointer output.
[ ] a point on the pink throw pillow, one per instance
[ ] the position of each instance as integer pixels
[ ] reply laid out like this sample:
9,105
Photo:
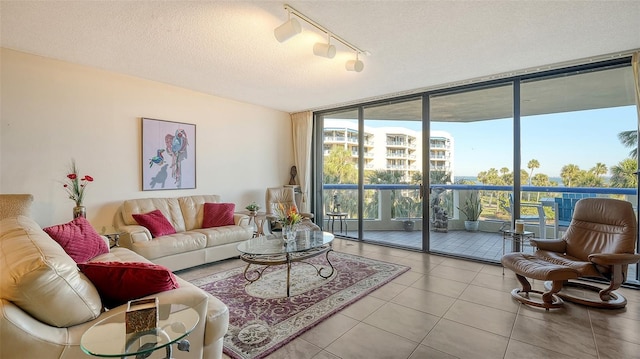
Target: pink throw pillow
218,214
155,222
118,283
78,239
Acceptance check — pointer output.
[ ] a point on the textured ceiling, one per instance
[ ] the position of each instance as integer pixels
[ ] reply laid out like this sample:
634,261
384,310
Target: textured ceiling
227,48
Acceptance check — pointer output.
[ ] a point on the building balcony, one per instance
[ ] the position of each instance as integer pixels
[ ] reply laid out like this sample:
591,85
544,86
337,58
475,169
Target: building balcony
384,216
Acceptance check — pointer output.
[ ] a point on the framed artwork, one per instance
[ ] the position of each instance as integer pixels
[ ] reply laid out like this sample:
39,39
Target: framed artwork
168,155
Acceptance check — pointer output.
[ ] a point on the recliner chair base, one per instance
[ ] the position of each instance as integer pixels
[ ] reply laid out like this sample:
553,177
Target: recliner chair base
556,302
617,300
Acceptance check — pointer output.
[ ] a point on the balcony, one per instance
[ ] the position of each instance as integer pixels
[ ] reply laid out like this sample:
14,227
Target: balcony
383,215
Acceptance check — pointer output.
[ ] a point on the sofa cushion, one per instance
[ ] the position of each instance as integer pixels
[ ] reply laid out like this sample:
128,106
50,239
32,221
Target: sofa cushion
155,222
78,239
193,209
218,215
119,282
39,277
169,207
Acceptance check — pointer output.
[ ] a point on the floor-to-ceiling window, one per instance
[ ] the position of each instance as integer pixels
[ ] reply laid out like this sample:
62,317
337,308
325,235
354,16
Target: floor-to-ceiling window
516,145
472,151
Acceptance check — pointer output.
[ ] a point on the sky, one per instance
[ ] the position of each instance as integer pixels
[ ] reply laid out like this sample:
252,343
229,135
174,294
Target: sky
583,138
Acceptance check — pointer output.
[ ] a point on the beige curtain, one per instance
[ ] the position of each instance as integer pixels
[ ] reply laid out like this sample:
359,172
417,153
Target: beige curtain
302,126
635,65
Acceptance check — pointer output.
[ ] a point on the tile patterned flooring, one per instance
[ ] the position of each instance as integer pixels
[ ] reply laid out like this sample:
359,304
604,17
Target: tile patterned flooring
452,308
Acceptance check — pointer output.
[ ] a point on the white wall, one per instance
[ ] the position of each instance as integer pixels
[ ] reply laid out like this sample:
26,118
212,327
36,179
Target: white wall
53,111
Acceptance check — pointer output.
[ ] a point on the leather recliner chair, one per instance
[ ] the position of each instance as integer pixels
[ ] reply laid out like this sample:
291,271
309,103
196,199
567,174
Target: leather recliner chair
599,243
285,196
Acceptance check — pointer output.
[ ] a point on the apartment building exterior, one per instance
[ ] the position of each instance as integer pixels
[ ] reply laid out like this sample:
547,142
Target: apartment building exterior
391,148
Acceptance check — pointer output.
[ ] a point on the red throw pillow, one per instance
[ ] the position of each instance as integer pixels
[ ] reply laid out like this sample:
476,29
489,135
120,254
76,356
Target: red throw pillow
155,222
118,283
78,239
218,214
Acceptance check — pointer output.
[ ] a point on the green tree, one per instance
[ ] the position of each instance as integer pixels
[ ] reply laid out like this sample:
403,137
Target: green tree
340,167
385,177
600,169
569,174
630,139
439,177
589,179
623,174
532,165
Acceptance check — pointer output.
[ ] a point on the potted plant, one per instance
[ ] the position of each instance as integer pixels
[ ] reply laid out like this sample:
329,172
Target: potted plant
472,207
252,207
409,205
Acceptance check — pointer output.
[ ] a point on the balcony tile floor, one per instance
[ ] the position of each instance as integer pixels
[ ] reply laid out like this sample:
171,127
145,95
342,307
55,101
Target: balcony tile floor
452,308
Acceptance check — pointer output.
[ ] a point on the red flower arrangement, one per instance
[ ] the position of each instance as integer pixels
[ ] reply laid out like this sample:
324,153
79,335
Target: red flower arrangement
75,185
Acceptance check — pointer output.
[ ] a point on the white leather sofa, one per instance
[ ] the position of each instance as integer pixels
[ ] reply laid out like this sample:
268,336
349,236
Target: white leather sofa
46,303
192,245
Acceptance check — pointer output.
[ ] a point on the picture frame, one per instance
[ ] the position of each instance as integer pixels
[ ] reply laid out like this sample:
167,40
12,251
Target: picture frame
168,155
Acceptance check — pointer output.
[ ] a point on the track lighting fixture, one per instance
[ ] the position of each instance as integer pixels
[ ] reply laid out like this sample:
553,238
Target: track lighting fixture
354,65
325,50
287,30
292,27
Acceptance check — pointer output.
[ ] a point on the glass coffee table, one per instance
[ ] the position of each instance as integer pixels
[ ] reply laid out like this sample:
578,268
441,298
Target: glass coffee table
272,250
108,337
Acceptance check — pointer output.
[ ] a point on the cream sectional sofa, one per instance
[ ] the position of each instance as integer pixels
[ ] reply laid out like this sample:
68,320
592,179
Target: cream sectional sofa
46,303
192,245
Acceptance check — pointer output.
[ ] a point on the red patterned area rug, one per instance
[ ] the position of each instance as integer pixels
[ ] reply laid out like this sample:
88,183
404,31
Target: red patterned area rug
263,319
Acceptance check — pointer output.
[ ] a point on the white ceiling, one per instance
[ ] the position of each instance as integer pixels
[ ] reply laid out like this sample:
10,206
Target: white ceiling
227,48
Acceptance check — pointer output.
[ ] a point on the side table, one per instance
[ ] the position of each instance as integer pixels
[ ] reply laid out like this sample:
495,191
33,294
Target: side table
259,219
114,239
342,218
520,238
108,337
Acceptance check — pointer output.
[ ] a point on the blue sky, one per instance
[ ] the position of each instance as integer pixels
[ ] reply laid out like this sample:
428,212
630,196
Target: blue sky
582,138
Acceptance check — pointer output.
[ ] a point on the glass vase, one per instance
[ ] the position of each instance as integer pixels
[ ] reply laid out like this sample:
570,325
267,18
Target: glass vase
289,232
79,211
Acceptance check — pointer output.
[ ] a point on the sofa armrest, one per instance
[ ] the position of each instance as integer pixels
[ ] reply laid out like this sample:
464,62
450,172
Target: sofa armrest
241,219
133,233
22,336
607,259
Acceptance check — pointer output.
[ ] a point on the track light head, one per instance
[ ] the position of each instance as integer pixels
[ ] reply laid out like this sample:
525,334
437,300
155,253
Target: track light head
324,50
354,65
287,30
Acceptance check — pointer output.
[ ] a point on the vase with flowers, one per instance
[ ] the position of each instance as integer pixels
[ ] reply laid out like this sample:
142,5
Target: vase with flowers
289,218
75,187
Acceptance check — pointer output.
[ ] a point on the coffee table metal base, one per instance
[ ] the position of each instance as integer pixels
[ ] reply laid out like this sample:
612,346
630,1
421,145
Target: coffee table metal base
288,259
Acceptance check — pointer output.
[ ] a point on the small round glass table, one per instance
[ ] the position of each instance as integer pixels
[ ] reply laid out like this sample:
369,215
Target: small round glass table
108,337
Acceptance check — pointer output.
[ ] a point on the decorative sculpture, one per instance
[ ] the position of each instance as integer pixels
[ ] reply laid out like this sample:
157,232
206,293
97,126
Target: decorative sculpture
293,173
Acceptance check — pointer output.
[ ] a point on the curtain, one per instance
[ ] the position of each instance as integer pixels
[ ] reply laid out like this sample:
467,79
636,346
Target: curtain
635,64
302,128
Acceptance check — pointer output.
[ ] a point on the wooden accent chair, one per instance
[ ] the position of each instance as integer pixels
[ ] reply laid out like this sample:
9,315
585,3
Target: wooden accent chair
599,243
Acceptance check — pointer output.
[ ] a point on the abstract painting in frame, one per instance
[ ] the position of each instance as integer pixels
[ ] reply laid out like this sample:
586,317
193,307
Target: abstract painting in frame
168,155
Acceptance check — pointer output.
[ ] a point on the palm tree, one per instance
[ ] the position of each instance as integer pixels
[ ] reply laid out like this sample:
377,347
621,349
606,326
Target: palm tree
623,174
533,164
569,173
630,139
599,169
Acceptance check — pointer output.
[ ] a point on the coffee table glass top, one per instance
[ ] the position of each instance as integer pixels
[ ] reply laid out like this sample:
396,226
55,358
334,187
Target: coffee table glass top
108,337
274,244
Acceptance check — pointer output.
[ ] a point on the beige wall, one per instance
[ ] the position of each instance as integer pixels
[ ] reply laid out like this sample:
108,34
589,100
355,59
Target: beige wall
53,111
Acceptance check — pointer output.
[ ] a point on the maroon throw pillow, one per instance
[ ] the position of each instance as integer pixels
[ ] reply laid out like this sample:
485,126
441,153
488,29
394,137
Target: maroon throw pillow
155,222
218,214
78,239
118,282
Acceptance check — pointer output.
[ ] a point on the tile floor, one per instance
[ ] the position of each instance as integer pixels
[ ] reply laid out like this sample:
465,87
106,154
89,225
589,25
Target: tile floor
451,308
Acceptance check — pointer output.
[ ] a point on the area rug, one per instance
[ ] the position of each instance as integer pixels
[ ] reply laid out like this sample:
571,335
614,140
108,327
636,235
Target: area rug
262,319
